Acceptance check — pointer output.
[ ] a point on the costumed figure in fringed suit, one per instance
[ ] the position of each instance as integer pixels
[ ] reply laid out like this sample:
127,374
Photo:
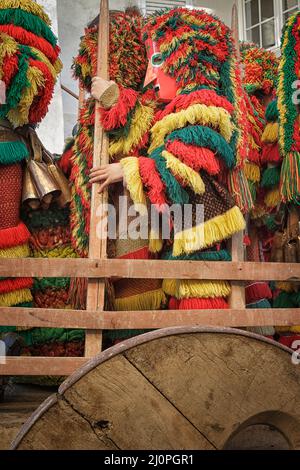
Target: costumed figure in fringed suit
182,141
259,79
29,66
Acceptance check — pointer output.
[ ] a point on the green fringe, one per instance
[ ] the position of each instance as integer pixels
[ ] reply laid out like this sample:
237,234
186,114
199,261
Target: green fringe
57,283
264,303
222,255
271,177
123,334
13,152
42,219
290,175
252,187
174,191
284,300
205,137
272,113
28,21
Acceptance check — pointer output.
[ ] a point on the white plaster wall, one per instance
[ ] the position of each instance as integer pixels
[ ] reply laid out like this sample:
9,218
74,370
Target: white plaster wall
73,16
51,130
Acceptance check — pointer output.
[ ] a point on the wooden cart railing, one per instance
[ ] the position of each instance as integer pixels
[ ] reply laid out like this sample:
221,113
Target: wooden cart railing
97,269
93,320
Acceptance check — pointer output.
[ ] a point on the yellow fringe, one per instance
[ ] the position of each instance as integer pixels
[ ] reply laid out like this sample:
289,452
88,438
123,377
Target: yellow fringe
189,176
21,112
8,46
253,144
170,286
15,298
273,198
27,5
285,286
53,69
214,230
252,172
140,124
187,289
155,242
59,252
134,184
287,329
212,116
152,300
21,251
271,133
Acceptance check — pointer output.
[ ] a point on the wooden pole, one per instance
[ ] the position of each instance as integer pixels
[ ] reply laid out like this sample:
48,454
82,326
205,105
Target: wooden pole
98,242
237,298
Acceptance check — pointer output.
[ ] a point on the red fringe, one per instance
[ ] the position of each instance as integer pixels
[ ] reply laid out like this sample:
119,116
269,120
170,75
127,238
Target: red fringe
117,116
254,156
40,106
152,181
143,253
203,304
198,158
258,291
10,68
27,38
173,304
206,97
65,163
270,153
10,285
14,236
288,341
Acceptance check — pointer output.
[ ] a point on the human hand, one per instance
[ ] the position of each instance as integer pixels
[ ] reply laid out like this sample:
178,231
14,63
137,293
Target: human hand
105,91
106,175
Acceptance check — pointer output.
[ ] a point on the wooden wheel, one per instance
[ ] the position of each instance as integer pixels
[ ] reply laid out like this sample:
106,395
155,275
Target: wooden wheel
180,388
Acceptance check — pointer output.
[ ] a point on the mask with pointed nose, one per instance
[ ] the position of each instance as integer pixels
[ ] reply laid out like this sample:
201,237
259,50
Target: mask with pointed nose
164,85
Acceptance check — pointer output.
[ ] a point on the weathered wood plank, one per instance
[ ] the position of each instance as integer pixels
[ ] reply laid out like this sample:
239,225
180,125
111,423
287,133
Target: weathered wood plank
136,415
37,366
74,319
150,269
98,237
218,383
174,388
237,296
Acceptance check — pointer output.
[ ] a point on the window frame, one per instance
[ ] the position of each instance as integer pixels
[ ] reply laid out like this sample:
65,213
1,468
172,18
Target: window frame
278,21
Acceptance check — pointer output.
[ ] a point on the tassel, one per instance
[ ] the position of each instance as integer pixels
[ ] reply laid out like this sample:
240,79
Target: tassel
173,304
257,291
271,133
205,289
77,293
290,177
152,300
252,172
155,242
270,153
240,188
212,231
273,198
13,152
271,177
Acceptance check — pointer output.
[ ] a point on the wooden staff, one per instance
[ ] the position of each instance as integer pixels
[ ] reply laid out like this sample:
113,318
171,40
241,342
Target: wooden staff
236,244
98,242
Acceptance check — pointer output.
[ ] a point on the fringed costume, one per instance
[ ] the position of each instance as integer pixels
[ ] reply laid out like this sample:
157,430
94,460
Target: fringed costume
185,150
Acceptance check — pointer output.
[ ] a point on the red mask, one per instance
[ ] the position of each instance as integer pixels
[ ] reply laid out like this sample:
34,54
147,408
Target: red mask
164,85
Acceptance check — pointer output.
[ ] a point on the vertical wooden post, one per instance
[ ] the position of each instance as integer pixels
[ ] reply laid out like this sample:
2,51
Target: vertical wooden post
236,245
98,242
81,99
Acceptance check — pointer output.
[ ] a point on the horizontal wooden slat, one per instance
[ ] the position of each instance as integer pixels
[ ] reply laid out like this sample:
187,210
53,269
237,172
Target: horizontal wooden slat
37,366
150,269
75,319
